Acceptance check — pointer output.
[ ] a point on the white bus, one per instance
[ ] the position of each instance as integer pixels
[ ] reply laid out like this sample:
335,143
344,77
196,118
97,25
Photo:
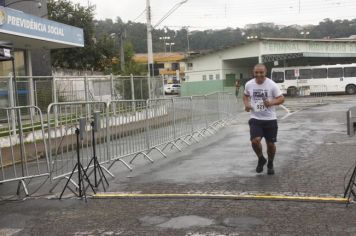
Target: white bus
334,78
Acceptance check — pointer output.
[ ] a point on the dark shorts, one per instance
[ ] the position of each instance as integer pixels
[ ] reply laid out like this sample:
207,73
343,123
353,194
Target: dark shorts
264,128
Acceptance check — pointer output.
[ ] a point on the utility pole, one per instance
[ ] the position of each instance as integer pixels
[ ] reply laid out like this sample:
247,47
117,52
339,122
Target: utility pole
122,51
149,47
188,46
149,38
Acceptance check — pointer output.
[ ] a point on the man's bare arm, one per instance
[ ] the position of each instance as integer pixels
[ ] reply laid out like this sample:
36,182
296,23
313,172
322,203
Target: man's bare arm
247,103
274,102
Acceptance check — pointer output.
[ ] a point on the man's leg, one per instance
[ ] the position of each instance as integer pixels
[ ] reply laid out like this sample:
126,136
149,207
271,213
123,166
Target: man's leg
256,133
257,148
271,137
271,150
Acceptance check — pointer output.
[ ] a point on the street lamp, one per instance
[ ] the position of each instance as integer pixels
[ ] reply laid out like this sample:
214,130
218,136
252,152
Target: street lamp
170,46
252,37
188,33
164,41
305,33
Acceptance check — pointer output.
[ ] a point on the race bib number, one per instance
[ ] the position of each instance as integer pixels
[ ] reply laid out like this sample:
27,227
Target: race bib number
260,106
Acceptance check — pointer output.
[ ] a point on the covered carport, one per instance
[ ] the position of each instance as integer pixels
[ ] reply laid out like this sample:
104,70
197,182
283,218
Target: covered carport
236,63
289,52
307,52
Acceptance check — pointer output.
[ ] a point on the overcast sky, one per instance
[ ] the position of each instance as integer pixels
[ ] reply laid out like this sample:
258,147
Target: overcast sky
217,14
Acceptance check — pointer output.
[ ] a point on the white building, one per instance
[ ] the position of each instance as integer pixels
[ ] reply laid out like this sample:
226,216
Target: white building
237,62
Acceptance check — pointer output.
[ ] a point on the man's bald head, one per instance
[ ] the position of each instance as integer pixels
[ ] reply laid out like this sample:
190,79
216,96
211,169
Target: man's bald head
260,66
260,72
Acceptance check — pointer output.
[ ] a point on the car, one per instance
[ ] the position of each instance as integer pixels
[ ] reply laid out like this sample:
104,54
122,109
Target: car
172,89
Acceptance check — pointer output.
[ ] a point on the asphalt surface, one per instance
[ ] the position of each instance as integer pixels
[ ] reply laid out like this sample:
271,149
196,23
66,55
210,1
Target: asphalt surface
313,155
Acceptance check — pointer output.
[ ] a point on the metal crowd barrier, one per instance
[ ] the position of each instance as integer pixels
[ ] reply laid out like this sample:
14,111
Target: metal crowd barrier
23,152
161,130
199,118
306,96
128,129
184,129
63,119
229,107
128,124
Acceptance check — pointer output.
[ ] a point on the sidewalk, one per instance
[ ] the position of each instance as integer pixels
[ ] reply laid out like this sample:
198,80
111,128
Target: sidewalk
313,155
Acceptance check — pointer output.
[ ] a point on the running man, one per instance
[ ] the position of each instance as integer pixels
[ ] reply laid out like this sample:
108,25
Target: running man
261,95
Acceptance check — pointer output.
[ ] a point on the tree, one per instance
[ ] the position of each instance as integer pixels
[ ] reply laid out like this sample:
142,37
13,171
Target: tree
131,67
101,51
66,12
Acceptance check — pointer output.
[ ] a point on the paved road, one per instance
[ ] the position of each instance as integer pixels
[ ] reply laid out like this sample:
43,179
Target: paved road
314,154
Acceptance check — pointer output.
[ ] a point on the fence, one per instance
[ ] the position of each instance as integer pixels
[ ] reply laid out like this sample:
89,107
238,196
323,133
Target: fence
128,129
43,90
23,152
63,119
306,96
128,125
135,127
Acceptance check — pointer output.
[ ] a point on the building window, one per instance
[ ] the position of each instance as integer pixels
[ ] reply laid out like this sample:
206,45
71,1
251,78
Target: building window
190,66
160,65
20,66
204,77
175,66
211,77
217,76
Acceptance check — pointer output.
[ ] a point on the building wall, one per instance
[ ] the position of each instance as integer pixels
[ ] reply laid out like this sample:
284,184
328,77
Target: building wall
244,51
237,62
281,47
206,65
218,62
241,70
204,87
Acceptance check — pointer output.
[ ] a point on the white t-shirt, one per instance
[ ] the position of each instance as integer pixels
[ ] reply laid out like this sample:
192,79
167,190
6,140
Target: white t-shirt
260,92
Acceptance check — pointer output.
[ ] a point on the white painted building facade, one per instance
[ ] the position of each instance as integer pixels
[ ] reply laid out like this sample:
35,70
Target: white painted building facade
237,62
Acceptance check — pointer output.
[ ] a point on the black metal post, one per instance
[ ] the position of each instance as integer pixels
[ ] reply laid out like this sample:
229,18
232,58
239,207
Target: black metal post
19,125
349,185
349,189
98,169
94,152
77,132
82,175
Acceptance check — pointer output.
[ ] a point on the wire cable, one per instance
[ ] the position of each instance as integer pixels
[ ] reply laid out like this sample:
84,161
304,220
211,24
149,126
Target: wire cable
138,17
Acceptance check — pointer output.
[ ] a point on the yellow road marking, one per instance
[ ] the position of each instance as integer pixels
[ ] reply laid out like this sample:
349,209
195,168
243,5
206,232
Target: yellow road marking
223,196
